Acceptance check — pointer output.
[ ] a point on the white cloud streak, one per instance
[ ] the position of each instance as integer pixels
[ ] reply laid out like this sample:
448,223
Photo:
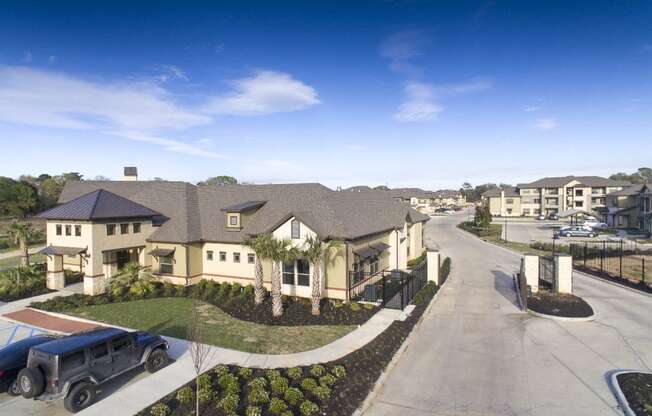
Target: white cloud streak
546,124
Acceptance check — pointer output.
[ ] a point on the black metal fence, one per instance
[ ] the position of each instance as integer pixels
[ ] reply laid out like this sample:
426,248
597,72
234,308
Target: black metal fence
547,273
620,260
392,289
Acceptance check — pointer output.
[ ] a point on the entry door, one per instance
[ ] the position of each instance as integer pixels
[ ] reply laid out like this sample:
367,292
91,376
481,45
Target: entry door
122,350
122,258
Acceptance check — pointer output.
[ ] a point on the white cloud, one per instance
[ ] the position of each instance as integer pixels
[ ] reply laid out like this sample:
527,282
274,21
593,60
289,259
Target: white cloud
531,109
27,57
546,124
403,47
168,144
266,92
419,104
354,147
171,72
202,142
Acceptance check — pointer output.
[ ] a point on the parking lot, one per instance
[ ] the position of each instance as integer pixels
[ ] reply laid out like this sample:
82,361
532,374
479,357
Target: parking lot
528,231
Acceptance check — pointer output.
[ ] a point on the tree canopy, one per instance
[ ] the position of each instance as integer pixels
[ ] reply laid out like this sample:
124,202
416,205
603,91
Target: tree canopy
219,180
31,194
642,175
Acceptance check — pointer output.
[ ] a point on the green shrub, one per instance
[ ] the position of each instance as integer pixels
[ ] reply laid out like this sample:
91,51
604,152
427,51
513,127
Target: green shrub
258,383
338,371
229,403
248,291
411,264
185,395
295,373
245,373
204,381
368,306
279,385
205,395
258,396
317,370
236,289
160,409
308,384
254,411
229,383
277,406
426,293
180,290
225,290
287,413
322,393
308,408
327,380
355,306
293,395
445,268
221,369
169,290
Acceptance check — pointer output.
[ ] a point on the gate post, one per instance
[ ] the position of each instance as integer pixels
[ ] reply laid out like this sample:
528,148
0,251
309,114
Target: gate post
432,259
55,275
563,278
531,271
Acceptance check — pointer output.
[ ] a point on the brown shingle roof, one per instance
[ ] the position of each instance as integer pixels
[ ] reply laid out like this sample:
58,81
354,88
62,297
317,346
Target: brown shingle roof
559,181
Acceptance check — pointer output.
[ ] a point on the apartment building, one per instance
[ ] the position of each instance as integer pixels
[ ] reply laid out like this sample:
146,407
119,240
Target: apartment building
184,233
553,195
423,201
631,207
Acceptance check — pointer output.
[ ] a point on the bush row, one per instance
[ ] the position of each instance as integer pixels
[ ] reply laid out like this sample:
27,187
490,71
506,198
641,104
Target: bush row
22,282
492,230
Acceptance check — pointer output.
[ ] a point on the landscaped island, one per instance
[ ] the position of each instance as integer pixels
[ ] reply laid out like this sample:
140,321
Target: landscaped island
637,388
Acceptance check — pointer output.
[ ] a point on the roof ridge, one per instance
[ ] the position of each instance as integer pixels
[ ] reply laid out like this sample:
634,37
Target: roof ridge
97,199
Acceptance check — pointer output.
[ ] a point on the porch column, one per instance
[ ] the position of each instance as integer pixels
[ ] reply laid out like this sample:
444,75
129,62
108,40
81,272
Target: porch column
432,258
531,271
563,273
94,280
55,279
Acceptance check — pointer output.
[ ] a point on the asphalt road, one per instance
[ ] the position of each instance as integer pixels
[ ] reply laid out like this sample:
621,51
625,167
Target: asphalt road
476,353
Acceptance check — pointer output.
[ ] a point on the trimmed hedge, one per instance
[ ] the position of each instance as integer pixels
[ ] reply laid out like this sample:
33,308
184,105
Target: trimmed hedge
493,230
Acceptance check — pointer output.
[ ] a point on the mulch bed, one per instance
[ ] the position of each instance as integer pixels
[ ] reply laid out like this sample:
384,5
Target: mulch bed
296,312
363,367
637,388
557,304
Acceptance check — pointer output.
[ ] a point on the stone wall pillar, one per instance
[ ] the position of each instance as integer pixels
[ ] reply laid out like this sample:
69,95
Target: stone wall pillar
94,279
56,278
531,271
563,273
432,257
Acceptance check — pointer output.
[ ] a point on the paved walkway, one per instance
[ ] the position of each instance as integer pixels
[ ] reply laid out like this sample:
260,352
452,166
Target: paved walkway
16,253
476,353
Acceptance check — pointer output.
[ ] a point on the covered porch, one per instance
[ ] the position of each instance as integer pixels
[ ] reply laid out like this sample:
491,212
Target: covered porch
115,259
368,262
55,275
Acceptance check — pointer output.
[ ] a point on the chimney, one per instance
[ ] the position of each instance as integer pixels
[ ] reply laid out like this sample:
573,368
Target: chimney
130,173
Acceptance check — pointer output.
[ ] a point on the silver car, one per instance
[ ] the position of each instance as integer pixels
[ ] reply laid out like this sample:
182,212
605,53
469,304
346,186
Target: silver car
577,231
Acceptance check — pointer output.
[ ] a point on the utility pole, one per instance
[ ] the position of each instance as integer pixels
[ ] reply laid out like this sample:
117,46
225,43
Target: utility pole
505,226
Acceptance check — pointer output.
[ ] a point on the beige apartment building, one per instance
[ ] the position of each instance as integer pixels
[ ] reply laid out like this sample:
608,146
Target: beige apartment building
184,233
631,207
553,195
426,202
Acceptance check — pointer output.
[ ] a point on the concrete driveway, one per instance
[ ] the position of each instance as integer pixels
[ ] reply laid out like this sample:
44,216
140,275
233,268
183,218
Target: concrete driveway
478,354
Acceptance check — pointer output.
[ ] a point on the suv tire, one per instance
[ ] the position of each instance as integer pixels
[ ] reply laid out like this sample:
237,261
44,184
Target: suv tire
80,397
156,360
31,382
14,389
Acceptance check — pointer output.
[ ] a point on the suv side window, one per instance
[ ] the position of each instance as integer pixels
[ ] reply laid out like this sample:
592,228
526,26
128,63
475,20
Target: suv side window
122,343
100,351
72,361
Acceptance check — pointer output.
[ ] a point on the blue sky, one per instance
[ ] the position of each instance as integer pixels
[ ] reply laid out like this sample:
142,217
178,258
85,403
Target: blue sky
403,93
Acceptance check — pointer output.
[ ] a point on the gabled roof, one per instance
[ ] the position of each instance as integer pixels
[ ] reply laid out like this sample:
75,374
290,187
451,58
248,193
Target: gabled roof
560,181
244,206
511,192
628,191
98,205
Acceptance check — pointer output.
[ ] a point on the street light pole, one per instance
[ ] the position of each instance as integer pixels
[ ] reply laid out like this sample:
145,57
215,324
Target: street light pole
505,226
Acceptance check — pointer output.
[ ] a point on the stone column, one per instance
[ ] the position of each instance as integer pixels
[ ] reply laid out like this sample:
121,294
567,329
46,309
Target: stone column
56,279
563,273
432,257
94,280
531,271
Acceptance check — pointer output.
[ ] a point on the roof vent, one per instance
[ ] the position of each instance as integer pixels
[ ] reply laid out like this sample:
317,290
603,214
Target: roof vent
130,173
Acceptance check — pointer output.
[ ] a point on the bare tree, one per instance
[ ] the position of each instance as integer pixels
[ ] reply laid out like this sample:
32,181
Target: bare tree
200,353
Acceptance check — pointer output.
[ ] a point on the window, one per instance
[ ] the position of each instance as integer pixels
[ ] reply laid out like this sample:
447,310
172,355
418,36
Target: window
110,229
509,201
99,351
222,255
537,200
68,229
124,228
288,273
122,343
236,257
295,229
165,264
526,211
72,361
579,204
233,221
374,262
58,228
509,211
296,273
579,192
136,227
77,230
251,258
209,255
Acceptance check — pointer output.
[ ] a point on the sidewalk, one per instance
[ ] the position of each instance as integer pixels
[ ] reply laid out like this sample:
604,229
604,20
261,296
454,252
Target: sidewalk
155,386
16,253
8,307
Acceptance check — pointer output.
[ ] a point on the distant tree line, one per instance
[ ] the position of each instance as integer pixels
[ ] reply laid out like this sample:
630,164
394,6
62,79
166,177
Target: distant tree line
474,194
31,194
642,175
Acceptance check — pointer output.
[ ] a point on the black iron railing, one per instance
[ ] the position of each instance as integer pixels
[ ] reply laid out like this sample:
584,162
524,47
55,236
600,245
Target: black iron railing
391,289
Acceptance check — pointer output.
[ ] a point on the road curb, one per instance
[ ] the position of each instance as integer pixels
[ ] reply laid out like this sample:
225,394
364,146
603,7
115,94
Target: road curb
381,379
617,391
609,282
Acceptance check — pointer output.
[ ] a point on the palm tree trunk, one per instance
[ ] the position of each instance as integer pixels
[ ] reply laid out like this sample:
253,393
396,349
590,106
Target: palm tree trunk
259,289
316,289
24,260
277,302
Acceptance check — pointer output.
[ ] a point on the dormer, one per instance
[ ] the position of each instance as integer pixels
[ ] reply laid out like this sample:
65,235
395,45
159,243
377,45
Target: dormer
236,214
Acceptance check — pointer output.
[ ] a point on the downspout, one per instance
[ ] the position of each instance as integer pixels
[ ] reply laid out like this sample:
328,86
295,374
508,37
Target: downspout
397,248
187,262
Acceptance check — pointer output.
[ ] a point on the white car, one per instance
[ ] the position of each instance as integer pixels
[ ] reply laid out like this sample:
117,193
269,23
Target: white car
594,224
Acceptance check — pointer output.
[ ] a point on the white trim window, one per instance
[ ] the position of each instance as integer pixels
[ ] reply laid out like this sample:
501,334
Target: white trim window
295,228
296,273
165,265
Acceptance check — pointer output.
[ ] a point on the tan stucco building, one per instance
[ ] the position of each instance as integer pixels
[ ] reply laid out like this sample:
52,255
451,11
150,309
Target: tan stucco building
631,207
184,233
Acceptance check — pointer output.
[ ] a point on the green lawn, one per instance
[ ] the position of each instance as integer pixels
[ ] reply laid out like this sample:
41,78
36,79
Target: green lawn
170,316
15,261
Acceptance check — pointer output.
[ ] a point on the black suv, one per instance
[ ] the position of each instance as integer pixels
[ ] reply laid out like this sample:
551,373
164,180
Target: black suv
72,367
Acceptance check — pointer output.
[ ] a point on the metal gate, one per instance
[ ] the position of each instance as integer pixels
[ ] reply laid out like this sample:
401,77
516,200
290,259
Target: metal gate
392,289
547,273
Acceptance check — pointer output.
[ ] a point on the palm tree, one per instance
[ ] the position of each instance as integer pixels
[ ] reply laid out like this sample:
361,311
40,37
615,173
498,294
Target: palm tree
281,252
22,233
262,246
317,252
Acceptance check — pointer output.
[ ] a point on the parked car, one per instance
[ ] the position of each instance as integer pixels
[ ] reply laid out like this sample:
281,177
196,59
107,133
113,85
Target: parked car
576,231
595,224
553,216
13,358
541,217
74,366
